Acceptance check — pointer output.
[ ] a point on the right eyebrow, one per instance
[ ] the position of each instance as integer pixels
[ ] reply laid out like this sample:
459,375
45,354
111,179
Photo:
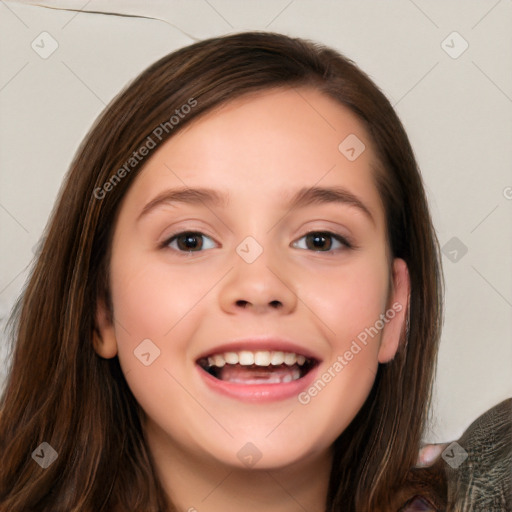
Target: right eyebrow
206,196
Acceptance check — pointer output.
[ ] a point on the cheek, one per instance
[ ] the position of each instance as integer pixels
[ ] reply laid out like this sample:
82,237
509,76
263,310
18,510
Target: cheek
355,295
149,299
165,305
138,301
147,305
349,313
352,299
152,303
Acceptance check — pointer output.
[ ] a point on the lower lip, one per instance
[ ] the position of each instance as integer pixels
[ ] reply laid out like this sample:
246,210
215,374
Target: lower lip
259,392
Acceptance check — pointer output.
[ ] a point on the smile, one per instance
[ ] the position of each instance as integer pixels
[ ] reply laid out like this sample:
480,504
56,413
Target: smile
257,367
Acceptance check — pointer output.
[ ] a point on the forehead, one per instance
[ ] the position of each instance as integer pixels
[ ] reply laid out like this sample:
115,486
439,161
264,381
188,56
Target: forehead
264,146
296,123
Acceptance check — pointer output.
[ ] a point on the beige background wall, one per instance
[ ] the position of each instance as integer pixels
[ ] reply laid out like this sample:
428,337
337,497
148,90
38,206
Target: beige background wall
455,102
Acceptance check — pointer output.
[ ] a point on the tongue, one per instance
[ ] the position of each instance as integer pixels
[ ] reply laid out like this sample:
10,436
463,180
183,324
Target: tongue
258,374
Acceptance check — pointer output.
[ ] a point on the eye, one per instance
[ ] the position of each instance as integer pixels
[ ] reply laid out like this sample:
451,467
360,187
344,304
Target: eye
189,241
323,241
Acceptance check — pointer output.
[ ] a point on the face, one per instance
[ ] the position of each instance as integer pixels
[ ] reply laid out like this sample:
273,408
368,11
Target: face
250,327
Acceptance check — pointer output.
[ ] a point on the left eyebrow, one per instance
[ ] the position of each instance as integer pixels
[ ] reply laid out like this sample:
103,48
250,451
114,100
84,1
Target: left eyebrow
324,195
304,197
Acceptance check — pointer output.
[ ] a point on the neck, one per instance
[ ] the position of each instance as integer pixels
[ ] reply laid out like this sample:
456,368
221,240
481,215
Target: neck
194,484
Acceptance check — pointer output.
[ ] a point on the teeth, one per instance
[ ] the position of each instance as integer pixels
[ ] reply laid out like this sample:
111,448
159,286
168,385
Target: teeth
277,358
259,358
245,358
218,360
272,378
262,358
290,359
231,357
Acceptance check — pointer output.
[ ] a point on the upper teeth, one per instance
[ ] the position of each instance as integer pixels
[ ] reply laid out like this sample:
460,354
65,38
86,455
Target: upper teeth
259,358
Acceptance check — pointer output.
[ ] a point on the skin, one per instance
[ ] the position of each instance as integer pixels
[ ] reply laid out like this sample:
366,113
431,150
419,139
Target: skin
259,149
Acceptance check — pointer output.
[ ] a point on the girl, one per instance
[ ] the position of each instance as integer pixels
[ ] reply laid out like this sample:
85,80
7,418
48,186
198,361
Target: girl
238,300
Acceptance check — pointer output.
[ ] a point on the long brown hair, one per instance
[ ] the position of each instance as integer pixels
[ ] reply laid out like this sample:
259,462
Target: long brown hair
61,392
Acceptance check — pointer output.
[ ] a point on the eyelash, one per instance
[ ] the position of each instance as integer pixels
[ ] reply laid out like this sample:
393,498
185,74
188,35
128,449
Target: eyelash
339,238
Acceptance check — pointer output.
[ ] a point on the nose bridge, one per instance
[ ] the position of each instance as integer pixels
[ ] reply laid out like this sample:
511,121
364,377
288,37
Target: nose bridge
259,280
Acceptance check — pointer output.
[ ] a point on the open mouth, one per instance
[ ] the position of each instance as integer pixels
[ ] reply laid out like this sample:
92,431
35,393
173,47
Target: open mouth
257,367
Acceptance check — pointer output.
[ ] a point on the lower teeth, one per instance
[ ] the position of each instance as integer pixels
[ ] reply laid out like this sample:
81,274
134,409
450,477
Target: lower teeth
270,379
256,375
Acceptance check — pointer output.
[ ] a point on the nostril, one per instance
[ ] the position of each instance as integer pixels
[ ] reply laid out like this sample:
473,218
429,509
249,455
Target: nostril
275,303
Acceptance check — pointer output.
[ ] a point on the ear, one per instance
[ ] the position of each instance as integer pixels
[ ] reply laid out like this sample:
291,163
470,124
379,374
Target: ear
399,305
104,337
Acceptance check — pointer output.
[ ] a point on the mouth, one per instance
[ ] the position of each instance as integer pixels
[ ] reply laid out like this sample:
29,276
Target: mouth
259,367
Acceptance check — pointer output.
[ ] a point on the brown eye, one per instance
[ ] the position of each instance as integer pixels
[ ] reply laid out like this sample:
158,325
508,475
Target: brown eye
319,241
323,241
188,241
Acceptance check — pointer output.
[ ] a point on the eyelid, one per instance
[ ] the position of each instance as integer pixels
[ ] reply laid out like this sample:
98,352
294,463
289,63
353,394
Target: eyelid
344,240
332,227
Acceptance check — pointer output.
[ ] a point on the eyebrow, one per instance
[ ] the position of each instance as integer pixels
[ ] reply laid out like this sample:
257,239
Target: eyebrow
304,197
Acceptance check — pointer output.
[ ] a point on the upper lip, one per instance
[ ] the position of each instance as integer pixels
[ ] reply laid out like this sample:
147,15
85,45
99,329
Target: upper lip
267,343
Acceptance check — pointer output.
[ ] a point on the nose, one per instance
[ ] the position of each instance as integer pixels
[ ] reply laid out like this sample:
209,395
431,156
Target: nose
263,286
